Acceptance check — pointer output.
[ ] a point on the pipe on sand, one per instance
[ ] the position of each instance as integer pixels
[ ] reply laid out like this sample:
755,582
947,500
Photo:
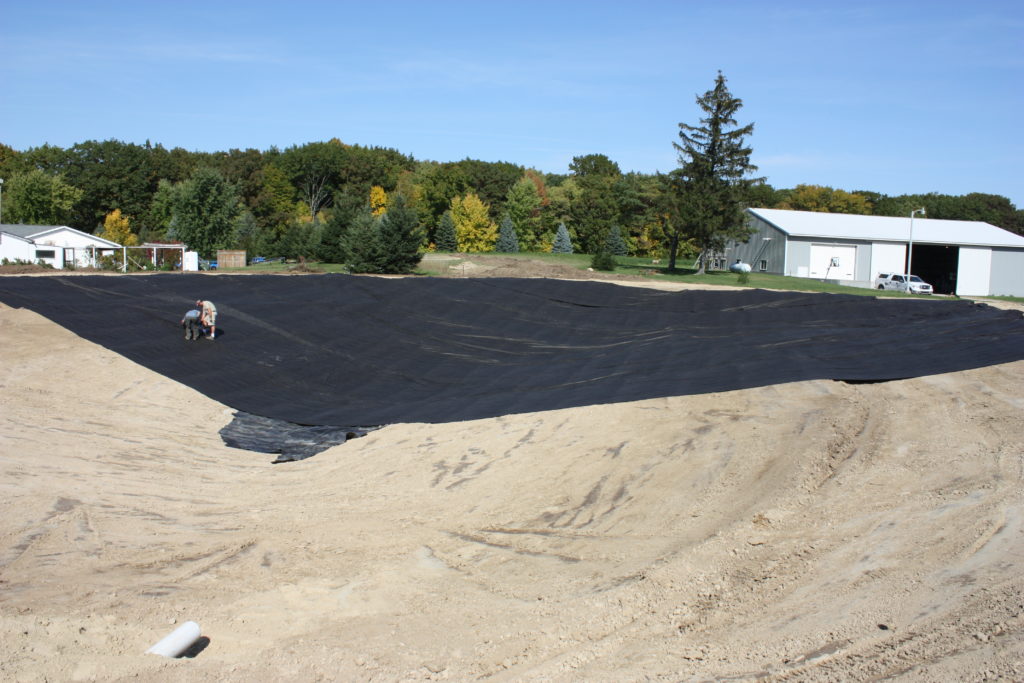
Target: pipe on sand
177,641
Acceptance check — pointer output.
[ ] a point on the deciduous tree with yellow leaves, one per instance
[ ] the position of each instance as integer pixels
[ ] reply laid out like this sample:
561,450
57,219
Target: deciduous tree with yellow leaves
116,228
826,200
474,229
378,200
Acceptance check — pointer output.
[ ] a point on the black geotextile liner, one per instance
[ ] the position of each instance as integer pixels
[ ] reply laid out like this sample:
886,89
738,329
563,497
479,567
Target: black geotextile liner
344,351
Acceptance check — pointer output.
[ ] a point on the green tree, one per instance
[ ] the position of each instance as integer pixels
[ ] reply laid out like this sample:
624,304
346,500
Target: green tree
161,210
615,245
490,180
603,260
255,239
314,169
508,241
363,245
523,206
761,195
400,237
713,178
204,209
274,204
441,183
474,230
562,243
976,206
112,175
347,209
301,240
38,198
595,209
446,240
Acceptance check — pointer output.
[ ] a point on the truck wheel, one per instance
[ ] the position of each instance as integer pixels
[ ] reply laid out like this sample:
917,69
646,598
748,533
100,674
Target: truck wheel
881,286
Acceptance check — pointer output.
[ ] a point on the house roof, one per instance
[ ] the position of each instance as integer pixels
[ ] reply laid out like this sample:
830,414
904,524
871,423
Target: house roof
21,230
887,228
35,232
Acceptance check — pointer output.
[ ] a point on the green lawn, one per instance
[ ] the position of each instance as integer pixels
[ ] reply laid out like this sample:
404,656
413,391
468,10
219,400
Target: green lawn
631,265
685,272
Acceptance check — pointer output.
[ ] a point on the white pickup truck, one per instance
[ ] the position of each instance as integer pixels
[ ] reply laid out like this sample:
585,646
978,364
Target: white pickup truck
901,282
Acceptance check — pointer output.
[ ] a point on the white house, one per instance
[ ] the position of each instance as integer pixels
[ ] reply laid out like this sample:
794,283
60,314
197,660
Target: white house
56,245
955,257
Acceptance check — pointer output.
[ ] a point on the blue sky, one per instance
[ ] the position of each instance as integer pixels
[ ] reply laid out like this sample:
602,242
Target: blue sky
895,97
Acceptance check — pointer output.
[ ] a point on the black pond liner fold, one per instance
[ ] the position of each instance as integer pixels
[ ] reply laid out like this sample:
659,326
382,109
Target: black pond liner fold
337,350
289,441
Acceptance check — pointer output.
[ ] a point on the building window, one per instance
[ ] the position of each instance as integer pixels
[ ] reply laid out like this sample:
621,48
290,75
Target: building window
763,266
45,253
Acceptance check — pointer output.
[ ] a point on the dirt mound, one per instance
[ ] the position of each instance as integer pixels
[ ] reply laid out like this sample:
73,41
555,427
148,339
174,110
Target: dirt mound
487,265
809,531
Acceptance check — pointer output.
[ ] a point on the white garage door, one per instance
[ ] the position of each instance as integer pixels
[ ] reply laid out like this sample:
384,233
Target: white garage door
833,261
974,271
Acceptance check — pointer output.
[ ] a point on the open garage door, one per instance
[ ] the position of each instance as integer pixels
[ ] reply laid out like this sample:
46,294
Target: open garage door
937,264
833,261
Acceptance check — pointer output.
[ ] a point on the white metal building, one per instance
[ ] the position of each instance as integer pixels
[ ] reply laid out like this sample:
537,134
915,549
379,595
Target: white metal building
55,245
967,258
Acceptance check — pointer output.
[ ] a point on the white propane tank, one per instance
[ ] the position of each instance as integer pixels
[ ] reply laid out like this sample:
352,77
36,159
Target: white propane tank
740,267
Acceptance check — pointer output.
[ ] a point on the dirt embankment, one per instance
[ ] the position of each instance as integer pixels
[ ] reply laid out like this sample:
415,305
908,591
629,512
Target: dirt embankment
811,531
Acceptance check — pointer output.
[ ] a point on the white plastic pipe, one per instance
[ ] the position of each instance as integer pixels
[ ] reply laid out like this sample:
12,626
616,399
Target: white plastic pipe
179,640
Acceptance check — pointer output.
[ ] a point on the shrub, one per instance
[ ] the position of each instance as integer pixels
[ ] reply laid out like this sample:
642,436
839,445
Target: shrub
603,260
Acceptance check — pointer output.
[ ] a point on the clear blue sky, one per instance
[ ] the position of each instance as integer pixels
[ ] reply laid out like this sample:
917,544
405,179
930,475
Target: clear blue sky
891,96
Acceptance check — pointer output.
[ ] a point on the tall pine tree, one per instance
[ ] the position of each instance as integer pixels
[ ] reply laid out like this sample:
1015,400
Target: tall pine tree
400,237
709,187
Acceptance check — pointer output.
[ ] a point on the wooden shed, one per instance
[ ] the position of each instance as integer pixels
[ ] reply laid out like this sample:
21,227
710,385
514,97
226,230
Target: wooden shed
227,258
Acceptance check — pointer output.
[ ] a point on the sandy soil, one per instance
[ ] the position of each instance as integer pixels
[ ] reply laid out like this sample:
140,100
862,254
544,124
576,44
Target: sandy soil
811,531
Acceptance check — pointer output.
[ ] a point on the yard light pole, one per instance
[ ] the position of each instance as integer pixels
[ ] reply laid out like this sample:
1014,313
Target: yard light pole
1,201
910,245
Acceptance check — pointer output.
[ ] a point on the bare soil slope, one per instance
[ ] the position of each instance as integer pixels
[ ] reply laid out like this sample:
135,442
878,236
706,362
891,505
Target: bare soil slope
811,531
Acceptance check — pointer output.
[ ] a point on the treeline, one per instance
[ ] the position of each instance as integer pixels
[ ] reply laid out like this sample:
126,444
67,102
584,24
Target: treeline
327,200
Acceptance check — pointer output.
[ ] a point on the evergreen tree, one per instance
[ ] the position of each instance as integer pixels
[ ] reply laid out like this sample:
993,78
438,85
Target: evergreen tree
508,242
400,237
446,233
256,239
332,243
363,245
300,240
603,260
712,181
562,243
614,244
595,208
